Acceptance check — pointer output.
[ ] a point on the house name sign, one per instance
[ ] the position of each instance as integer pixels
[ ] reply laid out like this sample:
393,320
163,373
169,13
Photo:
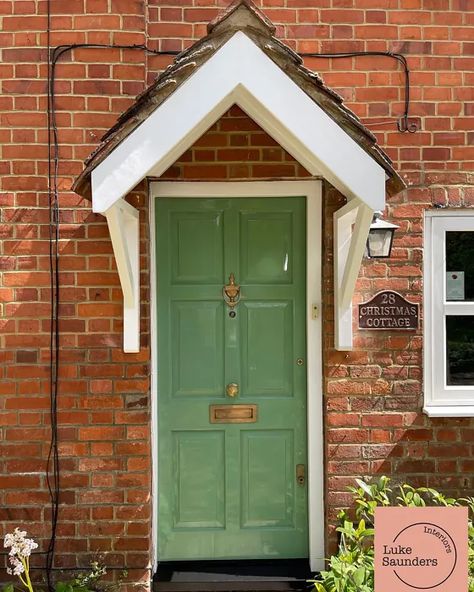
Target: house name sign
389,310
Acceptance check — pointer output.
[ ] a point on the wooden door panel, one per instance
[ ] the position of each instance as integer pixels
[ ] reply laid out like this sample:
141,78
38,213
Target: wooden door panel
196,247
267,348
197,371
266,247
199,479
267,464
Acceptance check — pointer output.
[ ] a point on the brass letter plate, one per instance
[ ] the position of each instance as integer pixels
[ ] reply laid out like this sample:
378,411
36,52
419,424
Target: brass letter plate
232,413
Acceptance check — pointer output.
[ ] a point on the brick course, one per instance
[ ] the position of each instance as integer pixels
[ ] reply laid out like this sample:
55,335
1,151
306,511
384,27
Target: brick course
373,422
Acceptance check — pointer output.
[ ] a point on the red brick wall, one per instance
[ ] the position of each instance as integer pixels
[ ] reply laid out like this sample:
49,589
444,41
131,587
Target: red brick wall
373,394
234,149
103,394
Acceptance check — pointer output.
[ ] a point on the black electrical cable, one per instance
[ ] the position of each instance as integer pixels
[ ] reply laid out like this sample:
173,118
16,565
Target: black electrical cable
403,123
52,465
54,57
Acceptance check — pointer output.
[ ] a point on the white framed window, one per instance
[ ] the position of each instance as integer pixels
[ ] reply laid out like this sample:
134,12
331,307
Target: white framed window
449,313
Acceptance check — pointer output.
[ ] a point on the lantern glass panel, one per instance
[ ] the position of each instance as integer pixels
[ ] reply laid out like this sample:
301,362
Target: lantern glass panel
380,242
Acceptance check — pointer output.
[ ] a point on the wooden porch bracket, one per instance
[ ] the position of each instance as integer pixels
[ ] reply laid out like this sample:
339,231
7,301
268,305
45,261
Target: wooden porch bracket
123,223
351,228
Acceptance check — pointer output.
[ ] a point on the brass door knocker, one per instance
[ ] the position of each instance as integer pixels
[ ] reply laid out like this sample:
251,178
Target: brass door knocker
231,292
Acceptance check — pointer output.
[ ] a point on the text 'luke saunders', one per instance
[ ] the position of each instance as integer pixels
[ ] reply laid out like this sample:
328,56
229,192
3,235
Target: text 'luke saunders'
396,555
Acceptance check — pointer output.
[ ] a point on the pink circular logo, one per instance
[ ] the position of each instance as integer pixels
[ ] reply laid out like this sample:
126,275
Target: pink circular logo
423,555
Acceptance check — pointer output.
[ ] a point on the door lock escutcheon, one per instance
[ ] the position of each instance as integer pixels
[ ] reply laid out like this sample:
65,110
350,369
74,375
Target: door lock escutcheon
301,475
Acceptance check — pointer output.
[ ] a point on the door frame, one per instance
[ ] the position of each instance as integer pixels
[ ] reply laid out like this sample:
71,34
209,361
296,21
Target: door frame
312,191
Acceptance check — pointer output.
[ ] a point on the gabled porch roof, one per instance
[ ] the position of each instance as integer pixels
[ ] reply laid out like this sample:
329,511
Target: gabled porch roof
240,62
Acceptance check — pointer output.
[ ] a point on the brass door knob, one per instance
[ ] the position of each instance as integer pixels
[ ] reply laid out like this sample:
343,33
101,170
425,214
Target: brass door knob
232,389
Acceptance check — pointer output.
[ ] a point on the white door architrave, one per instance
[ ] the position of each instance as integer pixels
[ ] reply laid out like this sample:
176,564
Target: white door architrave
310,189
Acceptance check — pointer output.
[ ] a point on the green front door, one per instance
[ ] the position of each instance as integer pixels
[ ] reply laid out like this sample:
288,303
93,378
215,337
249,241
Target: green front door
230,490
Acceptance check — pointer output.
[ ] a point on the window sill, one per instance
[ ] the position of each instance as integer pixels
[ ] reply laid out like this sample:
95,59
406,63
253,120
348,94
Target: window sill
449,410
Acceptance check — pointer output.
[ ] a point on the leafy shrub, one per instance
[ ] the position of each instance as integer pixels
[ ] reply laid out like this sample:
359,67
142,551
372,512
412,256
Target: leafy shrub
89,581
352,568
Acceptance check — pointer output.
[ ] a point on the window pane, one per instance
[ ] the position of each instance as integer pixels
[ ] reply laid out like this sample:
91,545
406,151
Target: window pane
460,350
460,265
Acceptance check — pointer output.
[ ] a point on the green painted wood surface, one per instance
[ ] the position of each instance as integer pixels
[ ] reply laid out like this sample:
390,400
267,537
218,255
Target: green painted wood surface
229,491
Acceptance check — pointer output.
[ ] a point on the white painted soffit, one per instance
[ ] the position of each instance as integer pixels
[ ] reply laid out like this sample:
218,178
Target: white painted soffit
240,73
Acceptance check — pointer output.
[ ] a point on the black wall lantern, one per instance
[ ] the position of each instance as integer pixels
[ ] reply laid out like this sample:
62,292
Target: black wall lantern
380,239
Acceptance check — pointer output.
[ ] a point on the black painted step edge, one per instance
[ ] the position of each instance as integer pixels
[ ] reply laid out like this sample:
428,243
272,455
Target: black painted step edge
233,586
273,570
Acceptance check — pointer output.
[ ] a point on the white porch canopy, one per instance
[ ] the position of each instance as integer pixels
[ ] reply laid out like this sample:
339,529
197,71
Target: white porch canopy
239,72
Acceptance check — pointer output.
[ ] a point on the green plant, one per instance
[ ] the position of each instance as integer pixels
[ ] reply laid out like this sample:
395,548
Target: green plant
85,581
19,558
91,581
351,569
